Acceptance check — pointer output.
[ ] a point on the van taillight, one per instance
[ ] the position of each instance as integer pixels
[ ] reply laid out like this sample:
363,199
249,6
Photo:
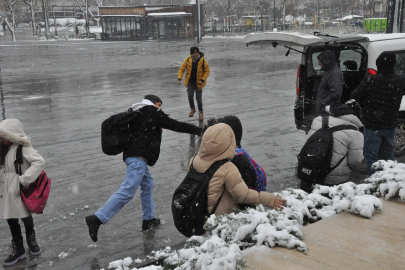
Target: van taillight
372,71
297,84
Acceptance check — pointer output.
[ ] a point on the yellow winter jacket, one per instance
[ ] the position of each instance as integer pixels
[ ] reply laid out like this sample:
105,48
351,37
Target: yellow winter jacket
202,72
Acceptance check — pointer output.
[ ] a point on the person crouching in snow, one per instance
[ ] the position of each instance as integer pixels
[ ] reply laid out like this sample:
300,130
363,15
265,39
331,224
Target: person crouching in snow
12,207
347,143
241,158
227,185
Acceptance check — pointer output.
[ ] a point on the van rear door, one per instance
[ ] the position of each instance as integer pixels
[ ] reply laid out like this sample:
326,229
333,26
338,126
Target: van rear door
309,75
299,39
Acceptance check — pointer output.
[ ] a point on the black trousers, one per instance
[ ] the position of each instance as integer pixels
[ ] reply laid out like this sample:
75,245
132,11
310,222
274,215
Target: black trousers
15,227
191,89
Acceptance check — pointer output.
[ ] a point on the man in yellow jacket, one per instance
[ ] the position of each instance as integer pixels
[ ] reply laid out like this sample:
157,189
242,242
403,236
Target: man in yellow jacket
195,79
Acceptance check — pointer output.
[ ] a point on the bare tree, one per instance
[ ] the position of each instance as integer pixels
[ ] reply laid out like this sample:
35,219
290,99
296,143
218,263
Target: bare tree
31,5
86,13
11,8
45,5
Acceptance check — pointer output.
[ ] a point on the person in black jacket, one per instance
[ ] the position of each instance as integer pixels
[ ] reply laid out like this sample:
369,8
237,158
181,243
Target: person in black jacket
380,96
331,85
143,151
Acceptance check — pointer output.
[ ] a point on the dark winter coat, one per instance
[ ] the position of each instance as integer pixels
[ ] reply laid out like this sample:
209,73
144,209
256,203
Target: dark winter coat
147,128
245,169
380,97
331,86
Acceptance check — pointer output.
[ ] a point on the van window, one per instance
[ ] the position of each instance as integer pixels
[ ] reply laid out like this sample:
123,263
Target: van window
400,63
315,61
349,60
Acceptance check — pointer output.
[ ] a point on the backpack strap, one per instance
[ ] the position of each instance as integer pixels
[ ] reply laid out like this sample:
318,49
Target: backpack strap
210,172
343,127
339,128
325,122
18,160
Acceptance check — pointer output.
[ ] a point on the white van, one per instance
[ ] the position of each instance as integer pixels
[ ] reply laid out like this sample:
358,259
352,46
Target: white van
356,56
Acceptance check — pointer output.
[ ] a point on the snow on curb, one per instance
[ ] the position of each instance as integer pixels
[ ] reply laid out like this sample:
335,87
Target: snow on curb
226,235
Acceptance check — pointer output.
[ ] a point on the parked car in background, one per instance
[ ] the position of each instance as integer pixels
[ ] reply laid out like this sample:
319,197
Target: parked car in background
356,56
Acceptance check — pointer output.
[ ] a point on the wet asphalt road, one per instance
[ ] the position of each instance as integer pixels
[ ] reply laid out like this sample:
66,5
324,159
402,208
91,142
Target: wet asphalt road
62,91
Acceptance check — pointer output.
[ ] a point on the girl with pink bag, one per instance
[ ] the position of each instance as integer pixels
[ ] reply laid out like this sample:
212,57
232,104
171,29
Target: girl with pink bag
12,208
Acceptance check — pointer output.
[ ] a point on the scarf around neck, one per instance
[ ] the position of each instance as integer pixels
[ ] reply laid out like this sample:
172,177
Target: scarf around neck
142,104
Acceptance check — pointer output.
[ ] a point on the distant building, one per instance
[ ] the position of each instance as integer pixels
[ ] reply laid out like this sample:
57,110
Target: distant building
150,22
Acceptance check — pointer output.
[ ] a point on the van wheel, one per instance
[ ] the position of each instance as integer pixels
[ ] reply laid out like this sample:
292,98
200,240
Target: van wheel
399,140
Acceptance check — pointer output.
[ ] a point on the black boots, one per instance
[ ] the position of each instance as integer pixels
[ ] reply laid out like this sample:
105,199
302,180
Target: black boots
17,253
32,243
93,222
149,224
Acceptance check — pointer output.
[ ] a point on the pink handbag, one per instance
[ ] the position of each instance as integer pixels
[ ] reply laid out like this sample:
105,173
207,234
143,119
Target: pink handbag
36,194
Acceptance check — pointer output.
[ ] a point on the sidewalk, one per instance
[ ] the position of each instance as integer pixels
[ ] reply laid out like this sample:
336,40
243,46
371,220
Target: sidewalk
343,241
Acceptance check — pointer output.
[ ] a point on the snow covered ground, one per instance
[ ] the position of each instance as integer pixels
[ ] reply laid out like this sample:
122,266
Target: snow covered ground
226,235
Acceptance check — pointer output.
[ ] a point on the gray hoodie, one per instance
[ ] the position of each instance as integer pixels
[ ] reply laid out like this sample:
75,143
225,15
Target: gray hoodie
331,86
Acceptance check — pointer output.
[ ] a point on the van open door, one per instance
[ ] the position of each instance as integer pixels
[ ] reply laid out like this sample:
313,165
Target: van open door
309,74
299,39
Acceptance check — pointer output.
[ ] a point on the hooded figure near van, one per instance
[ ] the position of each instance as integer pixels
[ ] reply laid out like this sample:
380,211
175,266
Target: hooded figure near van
380,96
218,143
331,85
12,208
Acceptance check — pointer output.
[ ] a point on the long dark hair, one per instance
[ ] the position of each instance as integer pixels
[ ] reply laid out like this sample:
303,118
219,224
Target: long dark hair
3,152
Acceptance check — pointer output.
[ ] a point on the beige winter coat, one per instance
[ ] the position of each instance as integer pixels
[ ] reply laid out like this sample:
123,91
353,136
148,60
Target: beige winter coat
346,143
11,205
218,143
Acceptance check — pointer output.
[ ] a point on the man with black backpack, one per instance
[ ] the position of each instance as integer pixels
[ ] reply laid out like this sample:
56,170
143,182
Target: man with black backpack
143,150
334,147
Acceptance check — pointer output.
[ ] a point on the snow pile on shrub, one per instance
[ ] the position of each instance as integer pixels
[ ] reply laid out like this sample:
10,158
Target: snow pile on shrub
389,180
226,235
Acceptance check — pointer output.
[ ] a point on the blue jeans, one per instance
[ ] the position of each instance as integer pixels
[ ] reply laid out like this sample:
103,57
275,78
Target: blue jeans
378,144
137,174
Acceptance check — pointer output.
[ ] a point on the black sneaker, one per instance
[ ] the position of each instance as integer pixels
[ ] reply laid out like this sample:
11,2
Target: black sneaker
18,253
94,223
32,244
149,224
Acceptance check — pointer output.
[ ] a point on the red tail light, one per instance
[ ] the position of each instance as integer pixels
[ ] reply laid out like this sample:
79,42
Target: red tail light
297,84
372,71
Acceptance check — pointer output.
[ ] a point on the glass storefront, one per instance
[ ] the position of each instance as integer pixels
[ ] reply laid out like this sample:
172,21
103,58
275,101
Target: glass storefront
139,28
123,28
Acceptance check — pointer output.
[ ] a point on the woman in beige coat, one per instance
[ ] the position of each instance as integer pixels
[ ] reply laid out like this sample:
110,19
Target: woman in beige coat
12,207
218,143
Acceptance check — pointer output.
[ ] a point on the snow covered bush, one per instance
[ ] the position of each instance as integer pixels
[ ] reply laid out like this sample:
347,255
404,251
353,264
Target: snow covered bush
389,180
226,235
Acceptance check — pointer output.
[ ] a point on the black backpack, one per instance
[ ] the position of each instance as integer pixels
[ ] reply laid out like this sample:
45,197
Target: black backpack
316,155
116,135
189,204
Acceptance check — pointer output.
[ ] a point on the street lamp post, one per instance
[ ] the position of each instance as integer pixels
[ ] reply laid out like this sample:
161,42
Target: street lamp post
198,22
54,20
274,13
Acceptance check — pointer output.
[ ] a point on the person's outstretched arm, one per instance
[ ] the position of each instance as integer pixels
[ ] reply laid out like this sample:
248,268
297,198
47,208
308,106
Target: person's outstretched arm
164,121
